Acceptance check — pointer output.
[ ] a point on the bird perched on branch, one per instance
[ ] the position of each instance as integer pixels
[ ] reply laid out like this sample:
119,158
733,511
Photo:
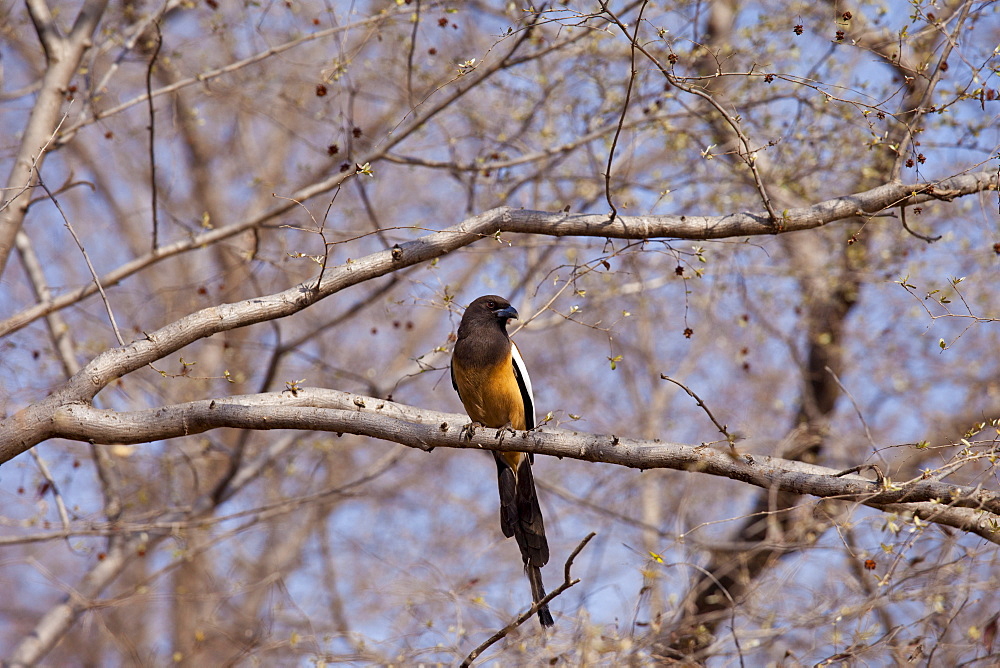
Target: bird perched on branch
491,380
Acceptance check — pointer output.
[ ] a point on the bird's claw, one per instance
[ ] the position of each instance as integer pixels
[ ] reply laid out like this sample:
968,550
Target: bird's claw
469,430
502,432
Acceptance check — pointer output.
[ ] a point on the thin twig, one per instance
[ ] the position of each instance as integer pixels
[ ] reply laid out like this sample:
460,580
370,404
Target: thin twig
921,109
152,133
60,504
528,614
721,427
748,154
320,230
902,218
857,409
86,257
621,120
409,55
34,164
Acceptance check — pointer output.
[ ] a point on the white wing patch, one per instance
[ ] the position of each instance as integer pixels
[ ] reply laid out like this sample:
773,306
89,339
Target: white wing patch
529,410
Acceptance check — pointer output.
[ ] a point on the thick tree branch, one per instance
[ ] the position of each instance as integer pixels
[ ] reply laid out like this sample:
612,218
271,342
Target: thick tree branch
969,509
487,224
64,56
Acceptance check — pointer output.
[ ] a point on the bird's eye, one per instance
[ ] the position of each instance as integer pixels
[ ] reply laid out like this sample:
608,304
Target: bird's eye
491,305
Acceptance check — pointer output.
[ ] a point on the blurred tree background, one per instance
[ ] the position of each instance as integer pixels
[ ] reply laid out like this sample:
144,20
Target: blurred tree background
283,139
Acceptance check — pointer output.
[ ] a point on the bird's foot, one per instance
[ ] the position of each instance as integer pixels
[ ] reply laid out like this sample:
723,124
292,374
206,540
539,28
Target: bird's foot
469,430
503,431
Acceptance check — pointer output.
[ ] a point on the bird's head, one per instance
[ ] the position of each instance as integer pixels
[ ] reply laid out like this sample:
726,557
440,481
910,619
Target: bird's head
497,307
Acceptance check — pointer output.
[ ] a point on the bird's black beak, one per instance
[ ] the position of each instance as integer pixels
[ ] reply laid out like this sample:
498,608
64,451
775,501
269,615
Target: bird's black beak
506,313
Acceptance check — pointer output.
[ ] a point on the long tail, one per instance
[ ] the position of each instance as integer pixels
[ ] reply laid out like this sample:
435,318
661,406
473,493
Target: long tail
538,593
521,517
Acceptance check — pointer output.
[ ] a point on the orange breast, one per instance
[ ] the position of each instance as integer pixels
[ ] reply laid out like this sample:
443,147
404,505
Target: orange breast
491,395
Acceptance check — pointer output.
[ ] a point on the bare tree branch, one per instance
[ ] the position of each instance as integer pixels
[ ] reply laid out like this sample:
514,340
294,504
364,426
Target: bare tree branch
487,224
530,612
64,55
971,509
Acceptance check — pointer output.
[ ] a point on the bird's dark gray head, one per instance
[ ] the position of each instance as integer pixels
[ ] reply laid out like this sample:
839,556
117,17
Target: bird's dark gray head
491,306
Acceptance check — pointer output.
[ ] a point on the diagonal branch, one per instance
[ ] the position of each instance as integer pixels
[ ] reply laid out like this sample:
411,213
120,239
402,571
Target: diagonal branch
530,612
485,225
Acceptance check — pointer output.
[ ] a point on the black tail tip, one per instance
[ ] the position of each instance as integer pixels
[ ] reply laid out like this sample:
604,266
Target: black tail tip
545,617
